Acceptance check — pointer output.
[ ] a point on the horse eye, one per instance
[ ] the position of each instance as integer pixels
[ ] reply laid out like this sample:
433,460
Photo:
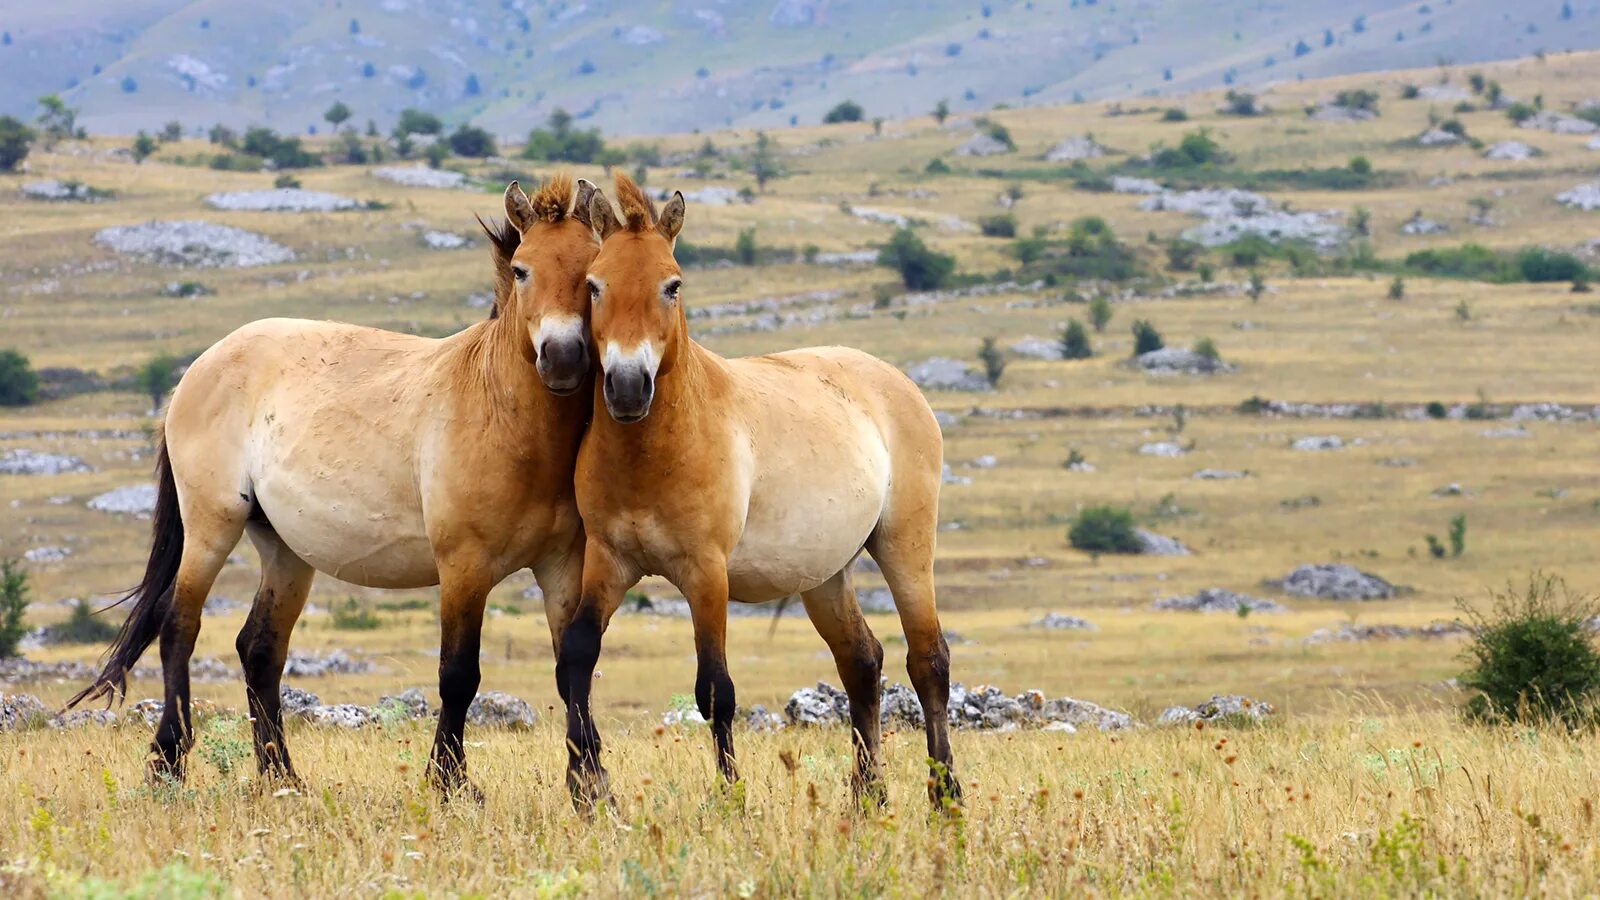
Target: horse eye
520,272
594,292
669,291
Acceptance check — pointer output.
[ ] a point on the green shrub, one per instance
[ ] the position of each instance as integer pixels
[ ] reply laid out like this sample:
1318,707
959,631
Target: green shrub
1533,658
82,627
15,141
1146,338
1174,114
415,121
1397,288
1240,103
559,141
470,140
1357,98
920,268
1100,313
353,615
1075,341
1437,410
1182,254
1410,92
1104,529
156,377
1001,226
19,384
284,152
1520,111
744,247
994,362
847,111
937,166
1541,265
1466,261
1207,348
1360,165
13,604
1458,535
1197,148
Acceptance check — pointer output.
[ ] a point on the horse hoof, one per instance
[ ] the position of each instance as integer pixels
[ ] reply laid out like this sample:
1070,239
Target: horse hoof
944,792
871,794
160,773
590,790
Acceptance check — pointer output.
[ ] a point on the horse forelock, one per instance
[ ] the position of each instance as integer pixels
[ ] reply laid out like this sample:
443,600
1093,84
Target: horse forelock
553,200
638,210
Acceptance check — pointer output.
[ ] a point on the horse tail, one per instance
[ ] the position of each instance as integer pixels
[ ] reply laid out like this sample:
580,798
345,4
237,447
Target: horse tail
152,599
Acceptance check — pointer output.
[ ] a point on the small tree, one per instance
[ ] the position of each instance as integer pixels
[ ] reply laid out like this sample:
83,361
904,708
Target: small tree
920,268
1182,254
1257,286
1075,341
1207,348
19,384
1100,313
437,153
57,120
415,121
143,146
472,141
1532,658
744,247
13,604
1397,288
1361,221
1001,226
994,362
847,111
15,141
941,111
337,114
1458,535
156,377
1146,338
764,164
1104,529
172,132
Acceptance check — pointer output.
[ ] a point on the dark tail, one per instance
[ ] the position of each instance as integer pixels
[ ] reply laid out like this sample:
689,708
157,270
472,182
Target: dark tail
152,598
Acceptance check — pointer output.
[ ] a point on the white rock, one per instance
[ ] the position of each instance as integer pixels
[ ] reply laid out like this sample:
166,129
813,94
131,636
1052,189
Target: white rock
1510,151
193,243
281,200
982,144
22,461
1585,196
1074,148
444,240
420,176
133,499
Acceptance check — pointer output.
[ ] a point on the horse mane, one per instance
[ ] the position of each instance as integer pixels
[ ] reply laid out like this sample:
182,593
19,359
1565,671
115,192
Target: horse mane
638,210
504,239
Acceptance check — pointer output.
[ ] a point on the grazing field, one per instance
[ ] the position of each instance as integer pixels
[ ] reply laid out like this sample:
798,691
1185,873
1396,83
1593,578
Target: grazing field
1318,447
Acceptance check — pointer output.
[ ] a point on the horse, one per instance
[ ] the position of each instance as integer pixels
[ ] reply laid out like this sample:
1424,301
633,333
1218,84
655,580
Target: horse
748,480
383,459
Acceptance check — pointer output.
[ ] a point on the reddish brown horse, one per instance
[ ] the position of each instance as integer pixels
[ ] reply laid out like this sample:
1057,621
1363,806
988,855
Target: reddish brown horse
383,459
747,479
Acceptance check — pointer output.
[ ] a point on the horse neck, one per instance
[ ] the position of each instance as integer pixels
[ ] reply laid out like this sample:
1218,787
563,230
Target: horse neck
497,377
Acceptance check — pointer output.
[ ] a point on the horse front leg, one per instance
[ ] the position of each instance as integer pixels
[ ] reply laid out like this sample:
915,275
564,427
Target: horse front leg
706,587
463,588
605,578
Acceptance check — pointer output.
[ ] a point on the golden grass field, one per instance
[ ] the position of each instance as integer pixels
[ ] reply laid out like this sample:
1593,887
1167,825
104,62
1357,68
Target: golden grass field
1365,782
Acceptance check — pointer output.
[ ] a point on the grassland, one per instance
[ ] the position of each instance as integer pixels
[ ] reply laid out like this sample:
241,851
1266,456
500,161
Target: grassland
1403,797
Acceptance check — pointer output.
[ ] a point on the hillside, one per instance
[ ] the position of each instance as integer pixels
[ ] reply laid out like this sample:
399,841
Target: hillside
691,65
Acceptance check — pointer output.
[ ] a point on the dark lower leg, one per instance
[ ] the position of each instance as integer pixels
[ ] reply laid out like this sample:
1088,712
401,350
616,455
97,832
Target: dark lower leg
861,670
459,677
713,693
174,733
575,664
260,654
929,669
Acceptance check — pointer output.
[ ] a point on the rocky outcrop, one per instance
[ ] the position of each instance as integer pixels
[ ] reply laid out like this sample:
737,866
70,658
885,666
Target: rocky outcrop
193,243
1336,581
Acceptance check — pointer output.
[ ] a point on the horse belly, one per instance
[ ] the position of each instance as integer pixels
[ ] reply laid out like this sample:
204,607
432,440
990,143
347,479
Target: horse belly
798,541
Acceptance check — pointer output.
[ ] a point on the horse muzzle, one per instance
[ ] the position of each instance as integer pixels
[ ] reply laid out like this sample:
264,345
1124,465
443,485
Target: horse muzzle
628,392
563,365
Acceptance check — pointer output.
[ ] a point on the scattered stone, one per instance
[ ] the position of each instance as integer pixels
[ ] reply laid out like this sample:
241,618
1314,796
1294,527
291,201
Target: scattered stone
281,200
941,373
420,176
1070,712
1152,544
1450,490
984,707
147,710
1180,361
1319,442
1510,151
1418,225
297,702
821,705
1210,600
1123,184
341,715
1438,137
986,461
1594,143
134,499
500,709
875,601
32,462
1515,431
444,240
1161,448
1037,348
982,144
1218,475
410,703
1558,123
334,662
758,718
898,705
193,243
1585,197
80,718
46,555
1444,93
1231,213
1331,112
1074,148
1054,621
1220,707
1349,632
56,191
847,258
711,195
16,670
217,605
677,718
19,711
1336,581
881,217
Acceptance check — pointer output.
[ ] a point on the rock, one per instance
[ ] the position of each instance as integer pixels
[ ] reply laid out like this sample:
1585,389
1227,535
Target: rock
217,605
1209,600
1585,197
1161,448
1558,123
982,144
16,670
1452,489
986,461
1231,213
711,195
1350,632
444,240
147,710
821,705
410,703
1122,184
898,705
1594,143
80,718
1179,360
1515,431
1330,112
1336,581
948,476
1054,621
848,258
940,373
19,711
1417,225
1318,442
1074,148
1036,348
1218,475
280,200
1208,203
134,499
1510,151
46,555
874,601
1220,706
56,191
420,176
297,702
1443,93
193,243
985,706
1152,544
1438,137
1067,711
879,216
500,709
341,715
675,718
32,462
757,718
334,662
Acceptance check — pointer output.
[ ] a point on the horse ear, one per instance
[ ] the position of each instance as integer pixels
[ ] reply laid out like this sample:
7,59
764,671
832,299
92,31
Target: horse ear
580,206
519,211
671,220
602,218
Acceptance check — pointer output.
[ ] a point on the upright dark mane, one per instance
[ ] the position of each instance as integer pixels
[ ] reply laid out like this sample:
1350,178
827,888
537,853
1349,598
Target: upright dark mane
504,239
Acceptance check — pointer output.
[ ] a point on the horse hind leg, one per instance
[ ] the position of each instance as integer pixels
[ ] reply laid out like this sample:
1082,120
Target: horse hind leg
263,645
836,615
903,548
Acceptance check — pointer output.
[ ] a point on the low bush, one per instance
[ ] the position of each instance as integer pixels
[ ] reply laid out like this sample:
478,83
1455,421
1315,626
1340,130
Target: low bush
1000,226
1146,338
82,627
1533,657
1075,341
920,268
353,615
19,384
13,605
1104,529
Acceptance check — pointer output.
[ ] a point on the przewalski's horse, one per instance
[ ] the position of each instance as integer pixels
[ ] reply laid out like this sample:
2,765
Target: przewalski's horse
746,479
382,459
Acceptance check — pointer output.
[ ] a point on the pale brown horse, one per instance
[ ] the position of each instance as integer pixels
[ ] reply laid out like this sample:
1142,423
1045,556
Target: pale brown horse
382,459
747,479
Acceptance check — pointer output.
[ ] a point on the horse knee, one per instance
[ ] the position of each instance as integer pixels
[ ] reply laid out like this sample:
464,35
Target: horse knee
458,681
579,652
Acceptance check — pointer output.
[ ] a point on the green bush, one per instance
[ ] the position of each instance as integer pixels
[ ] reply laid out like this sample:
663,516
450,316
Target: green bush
744,247
1100,313
1182,254
353,615
1466,261
937,166
415,121
82,627
15,141
1541,265
1240,103
920,268
19,384
847,111
1519,111
994,362
1146,338
1000,226
470,140
1207,348
13,603
559,141
1104,529
1410,92
1360,165
1174,114
1075,341
284,152
1357,98
1437,410
1533,657
1397,288
1197,148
